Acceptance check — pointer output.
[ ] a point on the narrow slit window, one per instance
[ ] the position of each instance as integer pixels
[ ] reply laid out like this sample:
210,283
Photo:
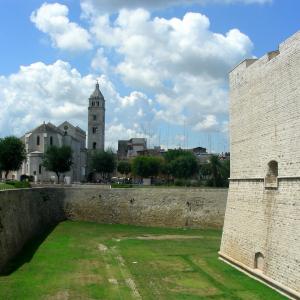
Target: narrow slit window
271,179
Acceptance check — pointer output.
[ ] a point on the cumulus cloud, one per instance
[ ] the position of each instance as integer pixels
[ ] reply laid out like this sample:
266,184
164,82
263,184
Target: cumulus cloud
100,61
58,92
110,6
157,50
181,61
53,19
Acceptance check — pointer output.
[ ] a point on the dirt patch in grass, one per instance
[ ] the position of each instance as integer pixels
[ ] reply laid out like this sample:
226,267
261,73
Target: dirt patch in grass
102,248
61,295
167,237
130,282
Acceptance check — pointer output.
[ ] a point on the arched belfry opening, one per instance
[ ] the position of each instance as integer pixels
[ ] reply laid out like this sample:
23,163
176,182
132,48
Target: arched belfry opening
271,179
259,261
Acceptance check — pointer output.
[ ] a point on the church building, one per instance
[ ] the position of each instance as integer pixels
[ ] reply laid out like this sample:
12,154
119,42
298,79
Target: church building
38,140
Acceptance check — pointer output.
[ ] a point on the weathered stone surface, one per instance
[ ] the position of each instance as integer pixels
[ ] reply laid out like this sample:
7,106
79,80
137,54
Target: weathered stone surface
28,212
263,208
148,206
25,214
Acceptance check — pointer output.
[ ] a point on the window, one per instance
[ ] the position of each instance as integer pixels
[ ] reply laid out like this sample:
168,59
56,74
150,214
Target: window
94,117
93,103
40,169
97,103
272,174
94,130
51,142
94,145
259,261
38,140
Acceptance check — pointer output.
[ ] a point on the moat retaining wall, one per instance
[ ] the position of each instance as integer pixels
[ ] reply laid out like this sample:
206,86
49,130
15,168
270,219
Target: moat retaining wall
26,213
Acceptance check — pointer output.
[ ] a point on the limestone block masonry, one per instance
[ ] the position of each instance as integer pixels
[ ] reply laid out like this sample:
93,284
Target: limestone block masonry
261,232
26,213
148,206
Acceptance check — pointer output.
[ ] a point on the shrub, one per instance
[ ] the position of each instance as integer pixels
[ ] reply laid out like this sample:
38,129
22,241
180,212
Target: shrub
122,185
19,184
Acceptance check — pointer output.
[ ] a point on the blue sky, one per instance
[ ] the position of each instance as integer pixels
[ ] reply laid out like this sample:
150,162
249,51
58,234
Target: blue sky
162,65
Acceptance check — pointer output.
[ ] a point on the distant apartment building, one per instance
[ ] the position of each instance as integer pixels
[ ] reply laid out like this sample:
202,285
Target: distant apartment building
130,148
156,151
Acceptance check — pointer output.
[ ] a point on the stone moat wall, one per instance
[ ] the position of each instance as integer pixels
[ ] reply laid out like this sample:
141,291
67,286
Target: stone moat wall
27,213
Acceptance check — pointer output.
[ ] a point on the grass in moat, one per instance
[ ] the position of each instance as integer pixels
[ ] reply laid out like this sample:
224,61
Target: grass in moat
80,260
4,186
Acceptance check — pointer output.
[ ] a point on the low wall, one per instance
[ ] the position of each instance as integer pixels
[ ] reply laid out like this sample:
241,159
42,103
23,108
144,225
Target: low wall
170,207
28,212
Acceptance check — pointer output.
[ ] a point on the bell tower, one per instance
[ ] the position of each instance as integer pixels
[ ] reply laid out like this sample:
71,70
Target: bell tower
96,120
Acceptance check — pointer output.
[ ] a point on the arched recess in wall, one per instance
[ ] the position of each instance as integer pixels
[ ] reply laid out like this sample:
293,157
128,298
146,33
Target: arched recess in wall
271,179
259,261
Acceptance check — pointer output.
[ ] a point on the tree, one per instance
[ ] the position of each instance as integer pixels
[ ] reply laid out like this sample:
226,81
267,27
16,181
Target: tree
180,163
184,166
225,171
103,162
124,167
12,154
171,155
215,169
220,172
58,160
146,166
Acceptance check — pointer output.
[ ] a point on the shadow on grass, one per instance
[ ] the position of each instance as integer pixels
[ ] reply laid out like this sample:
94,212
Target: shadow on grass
27,252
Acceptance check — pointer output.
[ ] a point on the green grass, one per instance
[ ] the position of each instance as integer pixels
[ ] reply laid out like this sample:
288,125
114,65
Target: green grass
14,185
5,186
80,260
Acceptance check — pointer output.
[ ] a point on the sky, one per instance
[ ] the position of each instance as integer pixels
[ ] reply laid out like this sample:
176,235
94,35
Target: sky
162,65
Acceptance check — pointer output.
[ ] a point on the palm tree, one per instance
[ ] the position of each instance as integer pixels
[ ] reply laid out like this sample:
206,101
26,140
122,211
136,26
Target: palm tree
216,171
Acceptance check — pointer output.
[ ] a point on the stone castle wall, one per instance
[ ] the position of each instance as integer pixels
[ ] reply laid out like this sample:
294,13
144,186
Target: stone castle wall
262,222
173,207
26,213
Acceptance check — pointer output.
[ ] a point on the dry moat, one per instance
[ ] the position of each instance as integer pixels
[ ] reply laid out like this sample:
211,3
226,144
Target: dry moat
84,260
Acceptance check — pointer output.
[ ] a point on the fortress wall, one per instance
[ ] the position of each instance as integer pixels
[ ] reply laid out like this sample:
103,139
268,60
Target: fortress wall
171,207
264,126
265,221
265,113
26,213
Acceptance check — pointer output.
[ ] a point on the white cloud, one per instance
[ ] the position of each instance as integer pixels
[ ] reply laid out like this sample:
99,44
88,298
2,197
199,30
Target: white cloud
207,124
157,50
53,20
100,61
181,61
110,6
58,92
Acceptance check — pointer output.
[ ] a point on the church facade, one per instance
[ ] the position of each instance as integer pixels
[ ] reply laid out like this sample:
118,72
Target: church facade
38,140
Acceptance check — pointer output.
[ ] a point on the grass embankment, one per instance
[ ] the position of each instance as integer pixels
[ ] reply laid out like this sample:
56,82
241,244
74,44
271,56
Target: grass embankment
5,186
81,260
14,185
